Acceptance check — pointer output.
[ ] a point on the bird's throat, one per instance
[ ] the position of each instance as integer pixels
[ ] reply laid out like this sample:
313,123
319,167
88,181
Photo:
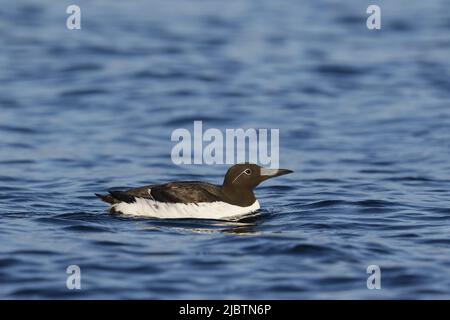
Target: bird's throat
239,196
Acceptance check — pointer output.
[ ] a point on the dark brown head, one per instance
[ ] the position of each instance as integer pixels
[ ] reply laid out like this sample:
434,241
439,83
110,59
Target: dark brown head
241,179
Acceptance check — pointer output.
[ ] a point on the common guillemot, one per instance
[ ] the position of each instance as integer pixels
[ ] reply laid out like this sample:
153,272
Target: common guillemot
192,199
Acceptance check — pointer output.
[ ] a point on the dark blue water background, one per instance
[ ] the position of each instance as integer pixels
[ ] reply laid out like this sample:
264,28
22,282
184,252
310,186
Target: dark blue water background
364,119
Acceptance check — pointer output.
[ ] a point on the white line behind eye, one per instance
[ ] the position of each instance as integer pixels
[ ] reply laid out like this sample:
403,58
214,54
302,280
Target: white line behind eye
238,176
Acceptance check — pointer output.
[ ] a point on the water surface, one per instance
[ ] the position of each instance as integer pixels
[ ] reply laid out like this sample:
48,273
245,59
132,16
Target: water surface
364,122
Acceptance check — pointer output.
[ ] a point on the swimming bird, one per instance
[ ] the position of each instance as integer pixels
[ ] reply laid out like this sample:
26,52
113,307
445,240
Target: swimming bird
193,199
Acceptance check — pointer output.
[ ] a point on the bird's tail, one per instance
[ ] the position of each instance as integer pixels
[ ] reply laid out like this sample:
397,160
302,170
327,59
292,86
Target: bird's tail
107,198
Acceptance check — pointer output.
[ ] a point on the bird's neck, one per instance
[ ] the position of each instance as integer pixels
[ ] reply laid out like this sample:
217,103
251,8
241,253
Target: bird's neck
239,196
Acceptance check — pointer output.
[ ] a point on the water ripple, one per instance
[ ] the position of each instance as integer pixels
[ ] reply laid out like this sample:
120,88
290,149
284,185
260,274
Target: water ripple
363,123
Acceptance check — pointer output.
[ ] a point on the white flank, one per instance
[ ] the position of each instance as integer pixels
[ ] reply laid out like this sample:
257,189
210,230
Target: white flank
202,210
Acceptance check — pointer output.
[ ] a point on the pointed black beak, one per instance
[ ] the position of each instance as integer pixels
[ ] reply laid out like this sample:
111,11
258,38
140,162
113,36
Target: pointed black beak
271,173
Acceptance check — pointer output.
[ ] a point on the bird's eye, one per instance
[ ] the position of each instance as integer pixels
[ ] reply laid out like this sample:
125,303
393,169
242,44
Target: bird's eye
248,172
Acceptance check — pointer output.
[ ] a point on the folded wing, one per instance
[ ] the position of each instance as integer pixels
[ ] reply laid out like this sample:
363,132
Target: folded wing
179,192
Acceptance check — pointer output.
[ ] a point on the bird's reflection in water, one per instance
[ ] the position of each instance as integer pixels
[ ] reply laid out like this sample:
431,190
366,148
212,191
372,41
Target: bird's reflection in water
244,225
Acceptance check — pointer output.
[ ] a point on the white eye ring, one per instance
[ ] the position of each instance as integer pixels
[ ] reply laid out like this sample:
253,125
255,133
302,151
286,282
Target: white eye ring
246,171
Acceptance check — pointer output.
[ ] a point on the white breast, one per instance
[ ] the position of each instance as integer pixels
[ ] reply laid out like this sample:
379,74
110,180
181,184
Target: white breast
201,210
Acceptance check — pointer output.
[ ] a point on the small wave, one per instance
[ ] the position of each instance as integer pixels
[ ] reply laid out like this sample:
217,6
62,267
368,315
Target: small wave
21,130
400,25
17,161
36,252
160,75
188,120
340,70
312,250
375,203
324,204
84,92
283,188
9,262
87,228
82,67
409,178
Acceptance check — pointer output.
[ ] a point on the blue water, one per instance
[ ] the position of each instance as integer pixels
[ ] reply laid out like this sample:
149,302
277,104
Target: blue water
364,119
